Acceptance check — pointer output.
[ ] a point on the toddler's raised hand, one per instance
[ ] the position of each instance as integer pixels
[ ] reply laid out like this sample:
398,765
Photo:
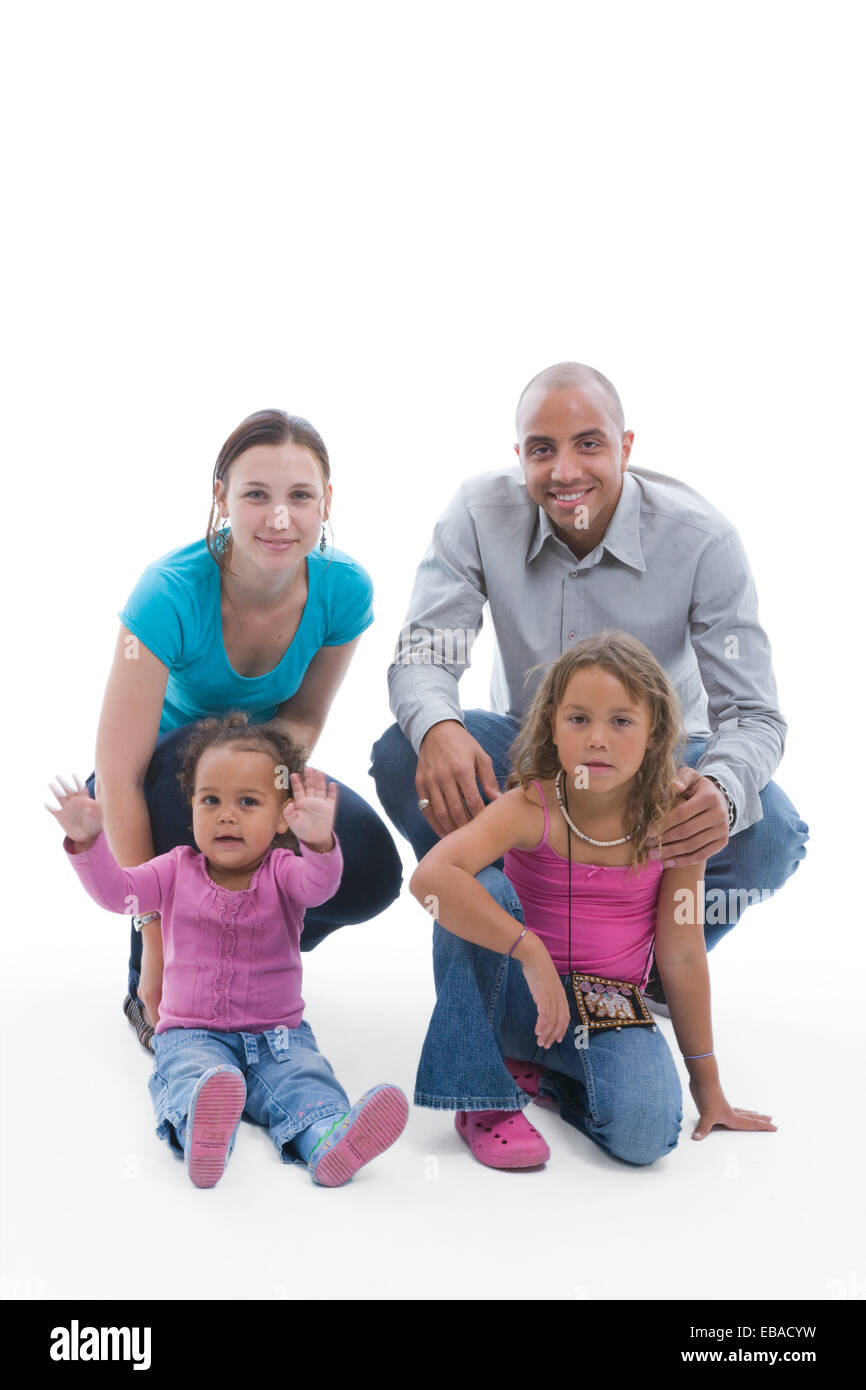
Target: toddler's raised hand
311,811
78,814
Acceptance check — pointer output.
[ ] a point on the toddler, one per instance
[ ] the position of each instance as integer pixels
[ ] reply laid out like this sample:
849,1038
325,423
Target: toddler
231,1037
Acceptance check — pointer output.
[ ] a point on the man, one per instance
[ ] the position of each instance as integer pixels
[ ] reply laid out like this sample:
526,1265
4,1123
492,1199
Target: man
568,544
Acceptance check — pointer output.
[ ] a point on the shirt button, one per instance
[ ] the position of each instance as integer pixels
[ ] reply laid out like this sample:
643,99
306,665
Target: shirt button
571,636
572,574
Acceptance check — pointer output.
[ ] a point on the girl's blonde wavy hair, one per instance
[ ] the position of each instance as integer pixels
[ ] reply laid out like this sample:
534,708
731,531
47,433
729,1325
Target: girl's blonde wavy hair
533,753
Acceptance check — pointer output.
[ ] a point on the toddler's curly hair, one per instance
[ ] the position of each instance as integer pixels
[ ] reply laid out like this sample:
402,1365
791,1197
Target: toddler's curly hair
236,730
533,753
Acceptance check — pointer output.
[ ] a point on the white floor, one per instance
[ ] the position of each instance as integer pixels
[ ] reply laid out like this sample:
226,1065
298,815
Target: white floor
93,1206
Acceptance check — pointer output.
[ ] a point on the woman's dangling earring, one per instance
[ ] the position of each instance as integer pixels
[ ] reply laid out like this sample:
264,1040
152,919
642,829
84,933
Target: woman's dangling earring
322,541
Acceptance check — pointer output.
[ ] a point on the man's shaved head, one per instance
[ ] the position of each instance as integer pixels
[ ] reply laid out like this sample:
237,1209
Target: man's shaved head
566,374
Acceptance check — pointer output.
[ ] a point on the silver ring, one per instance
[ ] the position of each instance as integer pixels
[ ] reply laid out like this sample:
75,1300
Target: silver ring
423,804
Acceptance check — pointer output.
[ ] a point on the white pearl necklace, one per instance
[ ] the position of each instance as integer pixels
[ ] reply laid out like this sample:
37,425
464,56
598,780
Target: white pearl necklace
601,844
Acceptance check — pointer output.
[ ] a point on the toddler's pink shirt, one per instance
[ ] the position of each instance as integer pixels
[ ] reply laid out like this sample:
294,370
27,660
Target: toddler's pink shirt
232,959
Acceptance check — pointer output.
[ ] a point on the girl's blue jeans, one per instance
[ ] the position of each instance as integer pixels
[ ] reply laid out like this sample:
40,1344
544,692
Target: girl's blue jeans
372,871
289,1083
622,1090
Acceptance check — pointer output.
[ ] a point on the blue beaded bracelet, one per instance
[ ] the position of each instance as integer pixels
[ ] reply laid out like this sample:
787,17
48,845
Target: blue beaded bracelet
518,941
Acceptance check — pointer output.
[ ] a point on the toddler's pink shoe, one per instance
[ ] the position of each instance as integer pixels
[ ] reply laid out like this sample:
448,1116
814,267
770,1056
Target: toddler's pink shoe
371,1127
502,1138
214,1115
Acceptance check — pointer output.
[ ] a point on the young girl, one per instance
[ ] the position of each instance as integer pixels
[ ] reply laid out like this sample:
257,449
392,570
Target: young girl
580,896
231,1037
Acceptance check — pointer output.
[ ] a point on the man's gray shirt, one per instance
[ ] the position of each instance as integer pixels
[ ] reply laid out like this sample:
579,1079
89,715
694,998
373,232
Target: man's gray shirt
670,570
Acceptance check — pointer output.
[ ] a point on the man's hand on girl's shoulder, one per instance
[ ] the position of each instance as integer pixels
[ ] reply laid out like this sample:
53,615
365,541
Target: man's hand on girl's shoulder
696,827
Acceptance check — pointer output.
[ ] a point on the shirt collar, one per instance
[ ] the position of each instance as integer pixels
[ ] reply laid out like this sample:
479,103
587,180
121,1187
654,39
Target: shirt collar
622,537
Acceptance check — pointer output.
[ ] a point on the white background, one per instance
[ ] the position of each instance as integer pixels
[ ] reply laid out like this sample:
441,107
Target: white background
387,218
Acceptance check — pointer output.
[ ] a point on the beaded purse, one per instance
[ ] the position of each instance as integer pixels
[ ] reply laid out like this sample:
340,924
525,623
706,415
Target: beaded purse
605,1003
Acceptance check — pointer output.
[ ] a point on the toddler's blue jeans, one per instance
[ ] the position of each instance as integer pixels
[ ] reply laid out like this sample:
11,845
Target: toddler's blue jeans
289,1083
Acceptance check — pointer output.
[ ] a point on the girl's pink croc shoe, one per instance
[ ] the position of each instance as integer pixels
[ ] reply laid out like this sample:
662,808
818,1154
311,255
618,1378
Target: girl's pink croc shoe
502,1138
214,1115
526,1074
370,1128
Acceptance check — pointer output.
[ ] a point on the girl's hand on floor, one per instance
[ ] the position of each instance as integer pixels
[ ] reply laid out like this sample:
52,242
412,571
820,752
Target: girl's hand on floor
79,815
715,1110
546,989
310,813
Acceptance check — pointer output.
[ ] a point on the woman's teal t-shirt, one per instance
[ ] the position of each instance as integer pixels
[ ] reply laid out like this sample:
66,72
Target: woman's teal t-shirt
174,610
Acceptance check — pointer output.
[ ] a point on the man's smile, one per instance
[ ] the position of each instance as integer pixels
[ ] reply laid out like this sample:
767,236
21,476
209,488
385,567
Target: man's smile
571,499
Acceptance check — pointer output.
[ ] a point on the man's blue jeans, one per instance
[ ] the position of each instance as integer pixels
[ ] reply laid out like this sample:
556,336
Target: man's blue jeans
289,1083
372,870
753,864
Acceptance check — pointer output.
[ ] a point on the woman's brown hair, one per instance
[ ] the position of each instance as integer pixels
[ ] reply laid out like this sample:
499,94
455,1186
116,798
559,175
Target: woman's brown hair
264,427
533,753
235,729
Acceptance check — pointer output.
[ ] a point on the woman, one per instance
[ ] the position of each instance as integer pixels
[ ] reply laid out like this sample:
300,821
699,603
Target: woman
257,616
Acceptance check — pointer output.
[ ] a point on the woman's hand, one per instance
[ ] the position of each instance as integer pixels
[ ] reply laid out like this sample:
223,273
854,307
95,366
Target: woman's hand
78,814
546,989
311,812
713,1109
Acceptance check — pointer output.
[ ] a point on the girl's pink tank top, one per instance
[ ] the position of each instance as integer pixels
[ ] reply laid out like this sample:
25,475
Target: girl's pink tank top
613,910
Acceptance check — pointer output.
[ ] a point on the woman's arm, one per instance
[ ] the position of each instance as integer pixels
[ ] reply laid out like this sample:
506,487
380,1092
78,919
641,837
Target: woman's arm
305,712
445,884
681,957
125,740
